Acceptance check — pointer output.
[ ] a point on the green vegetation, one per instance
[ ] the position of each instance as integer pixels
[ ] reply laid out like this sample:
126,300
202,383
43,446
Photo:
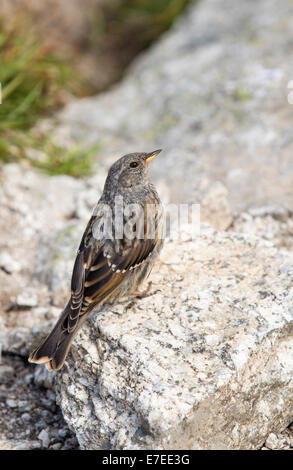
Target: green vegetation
34,82
58,160
41,152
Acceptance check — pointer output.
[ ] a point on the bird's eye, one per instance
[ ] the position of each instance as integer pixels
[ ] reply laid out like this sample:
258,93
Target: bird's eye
133,164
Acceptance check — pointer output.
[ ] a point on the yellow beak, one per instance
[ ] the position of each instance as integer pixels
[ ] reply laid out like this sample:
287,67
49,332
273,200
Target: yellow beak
152,155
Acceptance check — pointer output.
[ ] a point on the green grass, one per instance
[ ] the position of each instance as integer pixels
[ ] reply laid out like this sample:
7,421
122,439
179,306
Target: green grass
41,152
33,81
76,161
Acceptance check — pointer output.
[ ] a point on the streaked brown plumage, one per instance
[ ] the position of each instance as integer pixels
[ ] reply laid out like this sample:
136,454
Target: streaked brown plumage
106,267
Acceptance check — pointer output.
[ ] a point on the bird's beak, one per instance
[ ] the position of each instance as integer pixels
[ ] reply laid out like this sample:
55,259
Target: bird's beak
152,155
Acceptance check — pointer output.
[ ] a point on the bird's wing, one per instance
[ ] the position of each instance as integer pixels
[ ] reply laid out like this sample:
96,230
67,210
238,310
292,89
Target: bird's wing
101,266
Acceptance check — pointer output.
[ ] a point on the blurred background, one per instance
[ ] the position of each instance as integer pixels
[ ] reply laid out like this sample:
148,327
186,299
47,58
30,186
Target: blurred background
52,52
86,81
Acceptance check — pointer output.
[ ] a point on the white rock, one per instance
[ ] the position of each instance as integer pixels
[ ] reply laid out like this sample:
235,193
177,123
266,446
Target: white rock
44,437
215,374
272,441
27,298
8,263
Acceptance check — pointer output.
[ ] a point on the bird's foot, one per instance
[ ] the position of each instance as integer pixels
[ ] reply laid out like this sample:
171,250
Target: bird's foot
141,294
137,295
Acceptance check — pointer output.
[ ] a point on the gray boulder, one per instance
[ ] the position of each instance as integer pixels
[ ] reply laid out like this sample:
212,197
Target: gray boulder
203,363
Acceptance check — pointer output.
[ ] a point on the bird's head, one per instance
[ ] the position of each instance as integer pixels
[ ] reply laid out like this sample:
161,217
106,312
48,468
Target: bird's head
131,170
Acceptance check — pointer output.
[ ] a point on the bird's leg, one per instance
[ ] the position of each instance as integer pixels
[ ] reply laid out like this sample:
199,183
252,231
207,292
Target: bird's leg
141,294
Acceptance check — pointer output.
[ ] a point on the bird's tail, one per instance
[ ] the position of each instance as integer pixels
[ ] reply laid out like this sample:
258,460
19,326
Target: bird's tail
53,351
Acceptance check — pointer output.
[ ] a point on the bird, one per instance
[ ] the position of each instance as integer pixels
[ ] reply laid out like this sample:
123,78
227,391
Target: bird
120,244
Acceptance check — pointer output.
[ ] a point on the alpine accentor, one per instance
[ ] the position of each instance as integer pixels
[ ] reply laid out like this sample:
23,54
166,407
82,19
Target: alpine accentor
116,253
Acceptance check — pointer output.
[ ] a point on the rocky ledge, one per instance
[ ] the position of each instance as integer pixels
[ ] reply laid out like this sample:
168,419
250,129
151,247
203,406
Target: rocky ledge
203,363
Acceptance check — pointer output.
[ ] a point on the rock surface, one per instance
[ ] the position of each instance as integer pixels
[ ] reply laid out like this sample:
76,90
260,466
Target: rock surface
34,283
283,440
204,363
272,223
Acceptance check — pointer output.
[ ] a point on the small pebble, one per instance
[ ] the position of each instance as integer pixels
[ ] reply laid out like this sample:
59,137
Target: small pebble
22,403
44,437
272,441
8,264
35,445
26,417
62,432
28,378
56,446
11,403
27,299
